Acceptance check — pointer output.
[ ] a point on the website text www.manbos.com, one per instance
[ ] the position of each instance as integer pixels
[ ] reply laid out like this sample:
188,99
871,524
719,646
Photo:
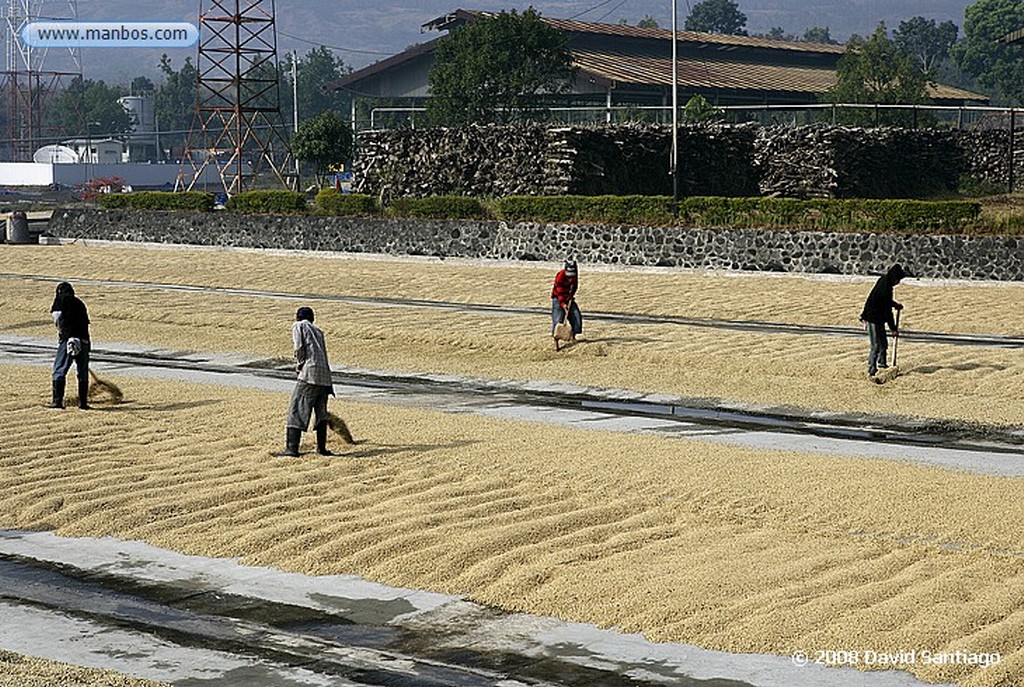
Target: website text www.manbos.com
136,34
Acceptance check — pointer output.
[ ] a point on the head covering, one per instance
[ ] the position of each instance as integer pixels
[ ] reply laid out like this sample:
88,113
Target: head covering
570,268
304,313
65,289
896,273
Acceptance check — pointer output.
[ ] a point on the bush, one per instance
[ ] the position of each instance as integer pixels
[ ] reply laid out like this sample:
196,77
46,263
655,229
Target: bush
157,200
593,209
438,207
975,188
775,213
330,201
909,216
271,202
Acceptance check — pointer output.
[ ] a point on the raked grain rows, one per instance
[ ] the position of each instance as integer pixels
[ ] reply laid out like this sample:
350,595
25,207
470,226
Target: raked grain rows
729,548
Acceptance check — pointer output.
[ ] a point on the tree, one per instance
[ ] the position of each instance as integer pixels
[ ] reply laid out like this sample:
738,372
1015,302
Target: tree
982,55
717,16
325,141
141,85
175,102
817,34
698,110
89,108
876,71
925,40
648,22
498,69
318,67
777,33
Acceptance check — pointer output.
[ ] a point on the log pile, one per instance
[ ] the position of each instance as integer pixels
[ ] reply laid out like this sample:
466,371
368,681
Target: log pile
717,160
795,162
820,161
621,160
816,161
477,161
986,158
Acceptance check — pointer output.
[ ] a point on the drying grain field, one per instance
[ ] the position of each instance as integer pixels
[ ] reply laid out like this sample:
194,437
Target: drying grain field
28,671
729,548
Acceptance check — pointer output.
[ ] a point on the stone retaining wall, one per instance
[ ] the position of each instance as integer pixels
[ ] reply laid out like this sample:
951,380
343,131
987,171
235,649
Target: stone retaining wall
961,257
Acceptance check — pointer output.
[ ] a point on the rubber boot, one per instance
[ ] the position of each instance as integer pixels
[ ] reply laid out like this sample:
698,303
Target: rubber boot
83,392
291,444
321,440
58,393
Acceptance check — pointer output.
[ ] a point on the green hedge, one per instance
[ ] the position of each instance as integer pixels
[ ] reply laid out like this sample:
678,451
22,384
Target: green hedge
330,201
914,216
438,207
273,202
157,200
907,216
910,216
597,209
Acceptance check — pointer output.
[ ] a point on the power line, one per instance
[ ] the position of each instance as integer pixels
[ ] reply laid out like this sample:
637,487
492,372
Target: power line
335,47
606,14
589,10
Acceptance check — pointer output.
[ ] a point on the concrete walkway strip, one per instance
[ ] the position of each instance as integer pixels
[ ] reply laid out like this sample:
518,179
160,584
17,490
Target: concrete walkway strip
192,621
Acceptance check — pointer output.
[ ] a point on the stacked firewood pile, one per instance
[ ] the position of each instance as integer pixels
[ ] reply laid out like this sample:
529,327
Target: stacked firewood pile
816,161
985,157
532,160
717,160
622,160
820,161
474,161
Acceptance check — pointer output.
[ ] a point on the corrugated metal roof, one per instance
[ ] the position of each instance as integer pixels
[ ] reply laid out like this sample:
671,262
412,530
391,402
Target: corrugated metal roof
705,73
650,64
1013,36
453,19
943,92
712,73
692,37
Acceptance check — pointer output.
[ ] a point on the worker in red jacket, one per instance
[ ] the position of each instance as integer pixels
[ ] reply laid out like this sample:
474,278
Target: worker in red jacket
563,301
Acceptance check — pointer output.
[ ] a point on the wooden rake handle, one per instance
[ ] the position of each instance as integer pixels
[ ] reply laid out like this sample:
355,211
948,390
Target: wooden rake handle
896,337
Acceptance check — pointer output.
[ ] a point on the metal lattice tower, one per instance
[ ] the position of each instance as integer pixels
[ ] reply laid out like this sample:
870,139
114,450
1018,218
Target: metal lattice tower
26,86
237,128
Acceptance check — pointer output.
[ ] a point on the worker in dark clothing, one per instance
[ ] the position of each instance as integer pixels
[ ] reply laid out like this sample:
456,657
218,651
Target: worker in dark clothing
73,345
877,313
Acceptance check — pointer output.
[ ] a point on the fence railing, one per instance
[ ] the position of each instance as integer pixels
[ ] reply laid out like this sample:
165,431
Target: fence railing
912,116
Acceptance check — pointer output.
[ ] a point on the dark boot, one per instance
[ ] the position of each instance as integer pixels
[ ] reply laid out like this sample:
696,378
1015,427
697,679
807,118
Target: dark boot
291,444
58,393
83,392
321,439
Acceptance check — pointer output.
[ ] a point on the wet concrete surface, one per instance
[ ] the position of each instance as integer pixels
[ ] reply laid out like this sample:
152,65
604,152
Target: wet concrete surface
195,621
987,450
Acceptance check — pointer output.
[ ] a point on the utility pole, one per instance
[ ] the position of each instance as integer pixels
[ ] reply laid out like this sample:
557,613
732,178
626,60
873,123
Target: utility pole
295,106
674,157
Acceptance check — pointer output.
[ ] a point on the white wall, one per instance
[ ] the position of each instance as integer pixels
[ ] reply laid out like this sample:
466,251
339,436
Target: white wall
26,174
